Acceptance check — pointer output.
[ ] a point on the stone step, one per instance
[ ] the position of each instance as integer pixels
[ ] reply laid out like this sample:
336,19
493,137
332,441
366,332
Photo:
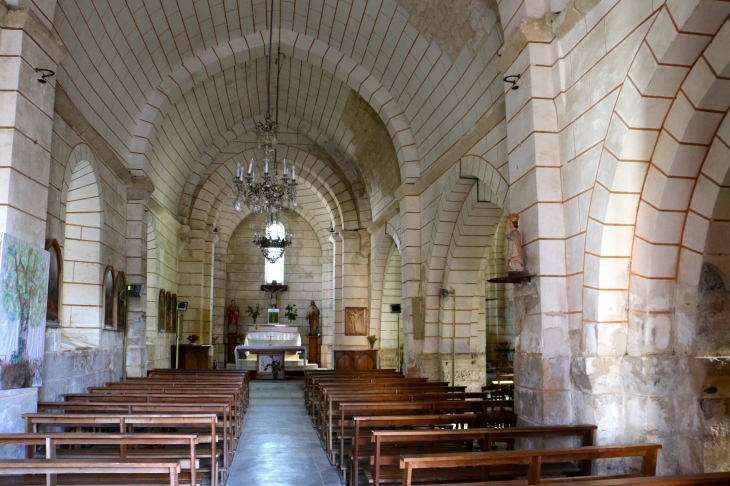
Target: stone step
276,389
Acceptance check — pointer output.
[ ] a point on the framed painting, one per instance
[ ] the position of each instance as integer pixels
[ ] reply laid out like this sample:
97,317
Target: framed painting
55,277
273,316
108,294
121,293
356,323
23,305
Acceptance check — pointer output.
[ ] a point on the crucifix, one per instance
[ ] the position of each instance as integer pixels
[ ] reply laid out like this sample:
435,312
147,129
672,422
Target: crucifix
273,288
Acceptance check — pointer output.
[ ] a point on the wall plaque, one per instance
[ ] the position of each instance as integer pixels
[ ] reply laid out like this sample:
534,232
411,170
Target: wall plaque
356,323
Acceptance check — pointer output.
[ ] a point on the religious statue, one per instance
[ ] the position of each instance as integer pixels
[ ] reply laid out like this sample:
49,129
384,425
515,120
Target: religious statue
313,318
233,313
515,260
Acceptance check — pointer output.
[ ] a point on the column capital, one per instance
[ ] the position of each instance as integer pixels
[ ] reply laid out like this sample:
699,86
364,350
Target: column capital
23,18
140,189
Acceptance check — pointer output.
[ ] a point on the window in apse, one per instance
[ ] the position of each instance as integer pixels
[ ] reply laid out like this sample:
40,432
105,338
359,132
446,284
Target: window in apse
275,271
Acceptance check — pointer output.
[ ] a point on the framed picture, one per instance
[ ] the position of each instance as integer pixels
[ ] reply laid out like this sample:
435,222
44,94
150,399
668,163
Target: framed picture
109,297
273,316
356,321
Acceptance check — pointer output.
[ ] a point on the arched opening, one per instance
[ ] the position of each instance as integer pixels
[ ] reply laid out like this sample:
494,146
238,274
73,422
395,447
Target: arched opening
83,273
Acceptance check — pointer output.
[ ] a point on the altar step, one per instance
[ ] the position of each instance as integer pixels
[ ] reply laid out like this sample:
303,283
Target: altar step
276,389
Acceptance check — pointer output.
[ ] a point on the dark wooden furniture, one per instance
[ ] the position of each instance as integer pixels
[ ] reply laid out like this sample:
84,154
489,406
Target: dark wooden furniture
192,357
314,349
353,359
231,347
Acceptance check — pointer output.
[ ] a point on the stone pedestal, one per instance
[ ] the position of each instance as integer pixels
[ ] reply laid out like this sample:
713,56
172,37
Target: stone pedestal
314,349
13,404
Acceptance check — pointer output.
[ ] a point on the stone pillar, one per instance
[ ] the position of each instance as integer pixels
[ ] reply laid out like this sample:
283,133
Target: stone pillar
26,118
542,357
138,197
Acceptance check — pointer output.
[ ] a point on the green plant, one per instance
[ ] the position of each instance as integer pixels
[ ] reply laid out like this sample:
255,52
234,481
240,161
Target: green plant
254,313
240,339
276,367
291,312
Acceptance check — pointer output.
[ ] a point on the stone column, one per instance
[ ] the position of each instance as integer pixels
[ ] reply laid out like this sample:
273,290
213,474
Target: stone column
26,118
542,357
138,197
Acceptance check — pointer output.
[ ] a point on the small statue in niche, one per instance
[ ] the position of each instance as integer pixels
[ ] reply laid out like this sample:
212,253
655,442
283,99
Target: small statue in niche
515,260
233,313
313,318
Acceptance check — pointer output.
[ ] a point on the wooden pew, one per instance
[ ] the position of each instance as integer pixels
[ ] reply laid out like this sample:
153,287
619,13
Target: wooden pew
334,400
50,441
311,375
364,426
130,408
708,479
349,410
534,459
125,423
384,453
106,471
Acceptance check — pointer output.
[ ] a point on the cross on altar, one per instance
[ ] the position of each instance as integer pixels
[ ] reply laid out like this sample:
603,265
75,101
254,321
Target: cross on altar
274,288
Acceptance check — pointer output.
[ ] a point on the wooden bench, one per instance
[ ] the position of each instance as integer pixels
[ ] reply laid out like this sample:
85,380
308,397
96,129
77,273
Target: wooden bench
385,454
105,472
430,465
708,479
221,410
349,410
51,442
365,426
35,422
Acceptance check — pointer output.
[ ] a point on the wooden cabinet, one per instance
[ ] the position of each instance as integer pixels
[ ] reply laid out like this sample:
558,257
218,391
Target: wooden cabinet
192,357
365,359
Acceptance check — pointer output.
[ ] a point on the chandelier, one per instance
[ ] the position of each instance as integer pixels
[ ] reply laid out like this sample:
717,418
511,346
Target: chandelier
266,193
274,240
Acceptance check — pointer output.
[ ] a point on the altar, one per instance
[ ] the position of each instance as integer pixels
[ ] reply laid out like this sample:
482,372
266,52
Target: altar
276,337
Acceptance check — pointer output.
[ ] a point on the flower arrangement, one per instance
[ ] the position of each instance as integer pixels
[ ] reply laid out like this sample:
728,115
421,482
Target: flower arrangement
254,313
193,338
276,367
240,339
291,312
371,339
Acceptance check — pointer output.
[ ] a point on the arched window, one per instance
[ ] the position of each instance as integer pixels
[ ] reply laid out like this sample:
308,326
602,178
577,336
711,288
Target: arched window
55,277
109,300
275,271
161,311
121,293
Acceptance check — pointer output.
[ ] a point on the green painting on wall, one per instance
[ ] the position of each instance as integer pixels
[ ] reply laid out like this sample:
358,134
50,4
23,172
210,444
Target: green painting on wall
23,295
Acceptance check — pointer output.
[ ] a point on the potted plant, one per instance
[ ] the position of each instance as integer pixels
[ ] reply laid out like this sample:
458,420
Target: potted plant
371,339
254,313
240,339
276,368
291,312
193,338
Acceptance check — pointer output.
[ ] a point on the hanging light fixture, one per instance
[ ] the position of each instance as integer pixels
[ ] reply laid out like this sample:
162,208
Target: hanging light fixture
266,192
274,240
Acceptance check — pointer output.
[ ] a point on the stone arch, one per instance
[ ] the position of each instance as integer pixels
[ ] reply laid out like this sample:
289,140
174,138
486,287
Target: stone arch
218,152
299,46
81,212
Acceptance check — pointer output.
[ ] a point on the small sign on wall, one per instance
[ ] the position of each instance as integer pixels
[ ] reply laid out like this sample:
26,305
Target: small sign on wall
356,323
23,303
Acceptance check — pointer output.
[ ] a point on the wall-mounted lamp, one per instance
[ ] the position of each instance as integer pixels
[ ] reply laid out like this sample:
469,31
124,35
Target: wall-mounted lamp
512,79
45,73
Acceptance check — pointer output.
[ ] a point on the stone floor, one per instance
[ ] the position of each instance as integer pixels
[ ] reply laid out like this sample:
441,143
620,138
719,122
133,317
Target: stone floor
278,445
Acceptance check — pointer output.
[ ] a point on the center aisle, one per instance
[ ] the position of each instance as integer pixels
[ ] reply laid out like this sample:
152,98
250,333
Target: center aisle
278,445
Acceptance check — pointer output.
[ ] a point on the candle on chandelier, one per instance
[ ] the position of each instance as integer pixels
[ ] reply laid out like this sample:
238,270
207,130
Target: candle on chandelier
293,176
284,167
266,169
250,167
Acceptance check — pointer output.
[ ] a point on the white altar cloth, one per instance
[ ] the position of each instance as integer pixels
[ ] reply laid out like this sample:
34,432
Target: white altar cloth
273,338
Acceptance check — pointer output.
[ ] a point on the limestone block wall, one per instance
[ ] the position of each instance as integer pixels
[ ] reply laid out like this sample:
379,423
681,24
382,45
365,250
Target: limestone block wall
390,337
245,272
162,273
